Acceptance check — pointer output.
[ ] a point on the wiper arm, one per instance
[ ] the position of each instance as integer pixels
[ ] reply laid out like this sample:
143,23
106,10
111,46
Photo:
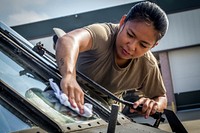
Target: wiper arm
157,115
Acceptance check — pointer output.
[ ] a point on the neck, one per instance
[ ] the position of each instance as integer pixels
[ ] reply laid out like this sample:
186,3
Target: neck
122,62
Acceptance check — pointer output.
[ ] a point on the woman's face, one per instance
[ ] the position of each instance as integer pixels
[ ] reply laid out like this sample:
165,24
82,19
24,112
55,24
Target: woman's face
134,39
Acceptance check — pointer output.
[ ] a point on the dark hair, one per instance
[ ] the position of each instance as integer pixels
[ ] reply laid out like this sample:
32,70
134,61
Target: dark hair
149,12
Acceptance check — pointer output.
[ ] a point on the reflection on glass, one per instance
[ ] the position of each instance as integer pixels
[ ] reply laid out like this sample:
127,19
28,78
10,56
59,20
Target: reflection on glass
52,106
18,76
28,84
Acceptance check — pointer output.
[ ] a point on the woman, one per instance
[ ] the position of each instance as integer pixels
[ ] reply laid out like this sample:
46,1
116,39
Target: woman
117,56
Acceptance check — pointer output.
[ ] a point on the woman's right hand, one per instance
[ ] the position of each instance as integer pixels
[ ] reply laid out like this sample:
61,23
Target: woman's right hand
71,88
68,47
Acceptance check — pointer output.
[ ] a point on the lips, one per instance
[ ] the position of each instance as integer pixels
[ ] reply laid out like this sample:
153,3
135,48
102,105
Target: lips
125,53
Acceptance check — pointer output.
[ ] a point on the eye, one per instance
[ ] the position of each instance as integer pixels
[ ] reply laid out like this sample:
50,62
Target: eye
143,45
130,35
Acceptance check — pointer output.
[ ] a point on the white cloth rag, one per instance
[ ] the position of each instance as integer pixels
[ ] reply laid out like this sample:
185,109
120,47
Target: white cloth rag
63,98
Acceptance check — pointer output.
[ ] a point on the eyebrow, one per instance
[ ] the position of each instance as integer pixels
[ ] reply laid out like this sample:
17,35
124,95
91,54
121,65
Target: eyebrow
142,40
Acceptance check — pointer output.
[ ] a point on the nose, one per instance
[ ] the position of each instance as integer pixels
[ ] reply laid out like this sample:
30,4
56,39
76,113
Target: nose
132,46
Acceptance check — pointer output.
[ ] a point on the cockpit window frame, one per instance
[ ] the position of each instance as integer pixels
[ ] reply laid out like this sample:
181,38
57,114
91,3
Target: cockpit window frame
15,48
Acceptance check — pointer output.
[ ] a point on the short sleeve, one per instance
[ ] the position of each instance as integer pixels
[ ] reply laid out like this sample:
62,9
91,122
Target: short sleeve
100,35
153,85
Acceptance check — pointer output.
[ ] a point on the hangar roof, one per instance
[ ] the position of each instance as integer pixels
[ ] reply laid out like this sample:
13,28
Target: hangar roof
44,28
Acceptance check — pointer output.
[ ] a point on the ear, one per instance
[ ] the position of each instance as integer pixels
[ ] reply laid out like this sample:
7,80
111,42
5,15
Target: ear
121,22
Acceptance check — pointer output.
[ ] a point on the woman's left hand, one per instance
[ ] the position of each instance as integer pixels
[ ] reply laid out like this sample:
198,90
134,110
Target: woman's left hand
149,107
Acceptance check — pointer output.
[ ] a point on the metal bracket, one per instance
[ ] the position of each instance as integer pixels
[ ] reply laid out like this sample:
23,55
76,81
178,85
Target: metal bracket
113,119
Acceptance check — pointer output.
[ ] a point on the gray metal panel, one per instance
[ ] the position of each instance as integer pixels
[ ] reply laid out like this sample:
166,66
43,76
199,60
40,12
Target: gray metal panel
126,128
173,6
184,31
185,69
67,23
44,28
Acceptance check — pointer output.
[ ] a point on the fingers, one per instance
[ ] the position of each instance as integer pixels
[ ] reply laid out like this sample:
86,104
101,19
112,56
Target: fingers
76,98
139,102
74,93
72,98
79,99
154,108
149,106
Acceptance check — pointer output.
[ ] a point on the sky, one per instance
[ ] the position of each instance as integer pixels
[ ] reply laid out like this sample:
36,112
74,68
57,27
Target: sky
18,12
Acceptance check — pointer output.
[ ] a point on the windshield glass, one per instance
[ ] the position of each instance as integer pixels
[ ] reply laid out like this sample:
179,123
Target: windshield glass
18,76
9,122
32,87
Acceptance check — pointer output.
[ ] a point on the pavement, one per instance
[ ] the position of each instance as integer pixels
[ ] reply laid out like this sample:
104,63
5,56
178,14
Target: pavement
189,118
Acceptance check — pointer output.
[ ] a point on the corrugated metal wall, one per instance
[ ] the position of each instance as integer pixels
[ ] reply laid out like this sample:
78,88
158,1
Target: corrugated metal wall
184,31
182,44
185,69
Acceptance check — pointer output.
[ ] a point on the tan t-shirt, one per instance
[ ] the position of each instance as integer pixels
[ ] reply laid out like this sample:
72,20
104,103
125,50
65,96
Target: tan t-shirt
98,64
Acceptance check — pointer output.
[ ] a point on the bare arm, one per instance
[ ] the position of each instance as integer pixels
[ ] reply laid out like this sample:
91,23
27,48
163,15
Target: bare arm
67,51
